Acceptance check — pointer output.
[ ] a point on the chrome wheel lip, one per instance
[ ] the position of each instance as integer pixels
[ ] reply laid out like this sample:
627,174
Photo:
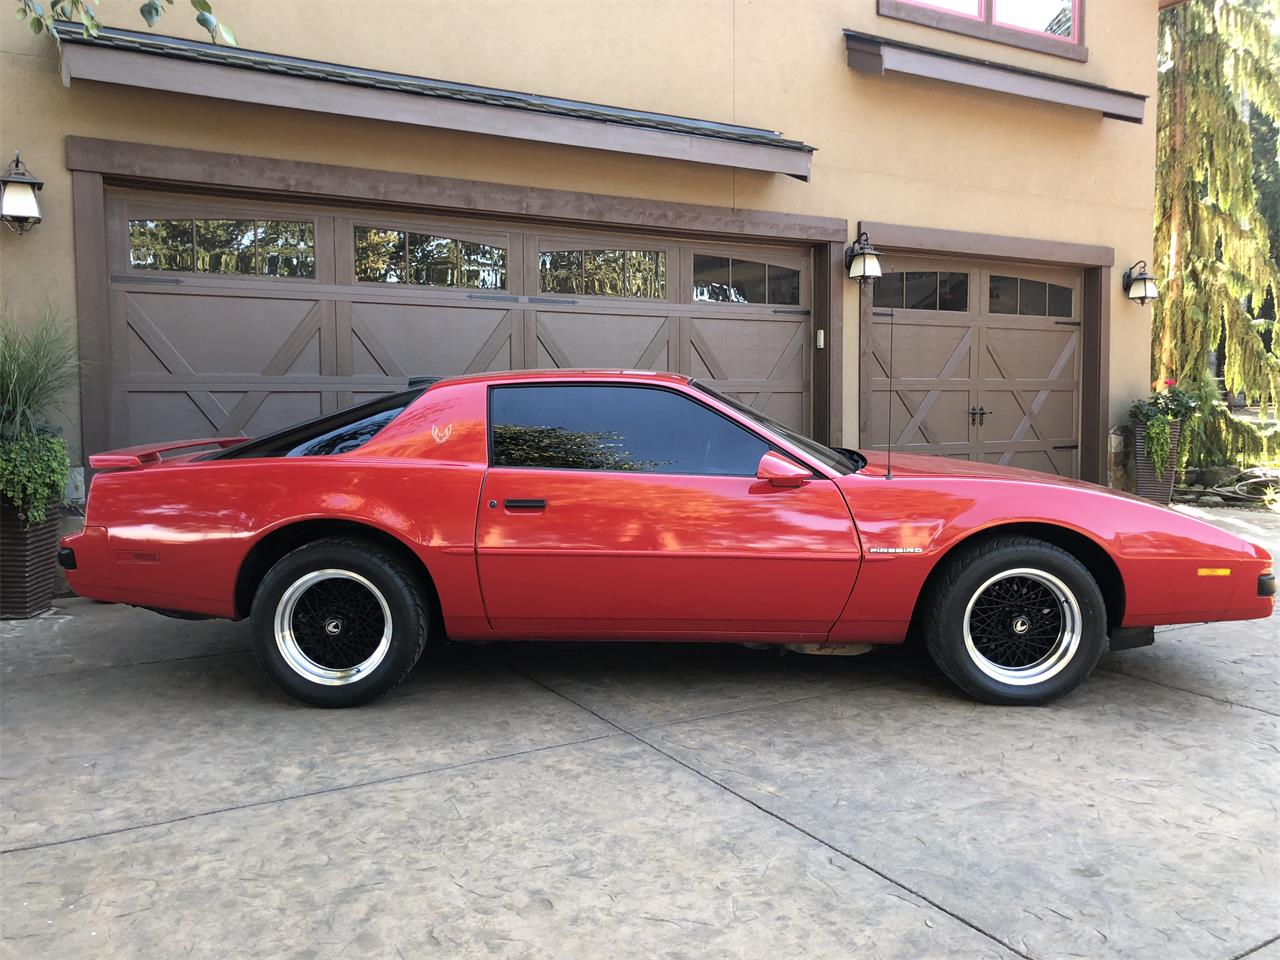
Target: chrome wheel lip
291,651
1060,654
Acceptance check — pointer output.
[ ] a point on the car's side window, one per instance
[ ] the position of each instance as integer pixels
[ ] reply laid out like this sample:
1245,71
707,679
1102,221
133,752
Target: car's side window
623,428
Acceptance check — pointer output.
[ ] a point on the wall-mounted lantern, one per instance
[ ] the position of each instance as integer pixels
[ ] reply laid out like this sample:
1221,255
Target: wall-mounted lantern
19,205
863,260
1139,286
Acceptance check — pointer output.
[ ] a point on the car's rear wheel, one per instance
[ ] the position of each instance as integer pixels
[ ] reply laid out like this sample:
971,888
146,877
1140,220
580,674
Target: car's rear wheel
337,623
1015,620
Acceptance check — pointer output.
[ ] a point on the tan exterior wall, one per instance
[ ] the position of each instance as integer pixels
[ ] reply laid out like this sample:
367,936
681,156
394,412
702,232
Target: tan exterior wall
889,149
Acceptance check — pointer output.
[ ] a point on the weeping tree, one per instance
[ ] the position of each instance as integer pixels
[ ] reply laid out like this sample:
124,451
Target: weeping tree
1219,62
41,16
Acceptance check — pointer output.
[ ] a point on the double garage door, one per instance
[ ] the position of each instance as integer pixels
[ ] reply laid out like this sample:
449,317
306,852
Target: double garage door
238,317
985,362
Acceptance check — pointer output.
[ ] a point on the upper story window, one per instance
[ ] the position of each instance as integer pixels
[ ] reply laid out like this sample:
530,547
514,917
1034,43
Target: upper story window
262,248
398,256
1047,26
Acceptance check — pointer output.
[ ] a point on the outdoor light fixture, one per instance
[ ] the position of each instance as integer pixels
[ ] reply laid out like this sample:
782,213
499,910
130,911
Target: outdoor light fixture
1139,286
863,260
19,206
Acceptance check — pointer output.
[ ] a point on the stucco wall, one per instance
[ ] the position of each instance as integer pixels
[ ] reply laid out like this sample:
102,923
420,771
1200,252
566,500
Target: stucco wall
889,149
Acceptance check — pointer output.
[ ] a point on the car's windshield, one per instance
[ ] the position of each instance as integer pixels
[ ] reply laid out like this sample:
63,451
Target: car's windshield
842,461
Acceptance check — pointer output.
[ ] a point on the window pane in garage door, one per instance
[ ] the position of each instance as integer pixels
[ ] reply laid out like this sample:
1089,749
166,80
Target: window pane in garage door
953,291
641,274
399,256
160,245
784,285
1004,294
225,246
380,255
748,281
647,274
1059,301
286,249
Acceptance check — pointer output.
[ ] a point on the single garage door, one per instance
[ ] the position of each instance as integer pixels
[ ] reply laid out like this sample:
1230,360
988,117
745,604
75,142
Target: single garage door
986,362
231,316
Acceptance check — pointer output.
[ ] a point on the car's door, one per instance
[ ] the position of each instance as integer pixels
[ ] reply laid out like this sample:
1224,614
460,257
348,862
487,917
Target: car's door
612,509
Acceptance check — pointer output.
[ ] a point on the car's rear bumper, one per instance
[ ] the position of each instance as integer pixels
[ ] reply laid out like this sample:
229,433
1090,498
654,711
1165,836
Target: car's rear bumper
96,570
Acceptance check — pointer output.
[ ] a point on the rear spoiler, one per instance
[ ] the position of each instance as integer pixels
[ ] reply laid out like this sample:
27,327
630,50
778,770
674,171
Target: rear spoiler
133,458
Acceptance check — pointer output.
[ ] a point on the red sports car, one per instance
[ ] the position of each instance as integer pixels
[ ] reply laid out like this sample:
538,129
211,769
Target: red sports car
628,505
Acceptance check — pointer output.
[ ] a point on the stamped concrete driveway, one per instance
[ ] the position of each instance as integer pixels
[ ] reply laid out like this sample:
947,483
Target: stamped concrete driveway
161,799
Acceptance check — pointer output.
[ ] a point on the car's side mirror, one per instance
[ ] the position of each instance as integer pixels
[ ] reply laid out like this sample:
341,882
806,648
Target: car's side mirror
781,472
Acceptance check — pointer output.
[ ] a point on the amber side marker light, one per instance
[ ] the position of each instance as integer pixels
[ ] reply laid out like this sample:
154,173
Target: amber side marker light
1214,572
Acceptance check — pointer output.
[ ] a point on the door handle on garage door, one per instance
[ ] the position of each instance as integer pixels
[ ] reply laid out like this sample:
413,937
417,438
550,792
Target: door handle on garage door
525,504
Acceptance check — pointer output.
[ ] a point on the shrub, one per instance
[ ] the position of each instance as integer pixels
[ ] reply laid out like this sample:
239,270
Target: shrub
1159,411
36,367
33,472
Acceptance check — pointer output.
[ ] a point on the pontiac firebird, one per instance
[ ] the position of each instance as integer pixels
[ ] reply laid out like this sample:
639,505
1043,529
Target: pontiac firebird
628,505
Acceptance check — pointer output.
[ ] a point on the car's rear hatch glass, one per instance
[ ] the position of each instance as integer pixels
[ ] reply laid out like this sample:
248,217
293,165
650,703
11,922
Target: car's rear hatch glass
330,434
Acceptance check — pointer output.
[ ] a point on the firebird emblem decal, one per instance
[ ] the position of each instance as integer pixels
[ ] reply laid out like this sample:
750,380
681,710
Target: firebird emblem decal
895,549
439,435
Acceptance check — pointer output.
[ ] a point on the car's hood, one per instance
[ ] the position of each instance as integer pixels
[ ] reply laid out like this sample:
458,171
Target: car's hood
1142,513
919,465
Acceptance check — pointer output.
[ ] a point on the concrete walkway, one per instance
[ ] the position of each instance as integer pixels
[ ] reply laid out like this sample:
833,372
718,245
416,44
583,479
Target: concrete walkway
161,799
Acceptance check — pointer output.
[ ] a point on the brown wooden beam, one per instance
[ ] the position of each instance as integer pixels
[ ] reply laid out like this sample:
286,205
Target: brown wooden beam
312,181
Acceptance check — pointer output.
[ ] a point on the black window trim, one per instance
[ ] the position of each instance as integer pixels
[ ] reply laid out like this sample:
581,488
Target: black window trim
772,442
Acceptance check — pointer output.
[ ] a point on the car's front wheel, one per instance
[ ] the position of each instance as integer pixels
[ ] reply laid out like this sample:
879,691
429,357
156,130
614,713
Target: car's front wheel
337,623
1015,620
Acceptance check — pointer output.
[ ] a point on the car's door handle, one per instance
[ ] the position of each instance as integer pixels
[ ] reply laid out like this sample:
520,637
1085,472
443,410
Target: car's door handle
525,504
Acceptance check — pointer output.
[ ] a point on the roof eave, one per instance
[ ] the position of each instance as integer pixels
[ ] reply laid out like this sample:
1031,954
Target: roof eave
103,63
881,55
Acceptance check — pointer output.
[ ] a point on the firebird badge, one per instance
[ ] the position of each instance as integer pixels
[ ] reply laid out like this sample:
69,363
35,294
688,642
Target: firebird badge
895,549
440,436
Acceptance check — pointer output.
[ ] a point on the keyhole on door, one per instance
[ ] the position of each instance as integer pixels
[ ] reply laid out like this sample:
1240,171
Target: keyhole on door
493,504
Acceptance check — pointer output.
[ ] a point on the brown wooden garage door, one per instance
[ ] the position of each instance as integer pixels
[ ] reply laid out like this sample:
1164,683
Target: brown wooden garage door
986,362
232,317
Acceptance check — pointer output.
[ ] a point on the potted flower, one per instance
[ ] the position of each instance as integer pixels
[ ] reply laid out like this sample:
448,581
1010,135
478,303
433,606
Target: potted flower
1157,430
36,367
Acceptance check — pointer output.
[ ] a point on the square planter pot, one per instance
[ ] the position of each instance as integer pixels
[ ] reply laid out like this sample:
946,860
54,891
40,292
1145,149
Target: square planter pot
1150,485
28,562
